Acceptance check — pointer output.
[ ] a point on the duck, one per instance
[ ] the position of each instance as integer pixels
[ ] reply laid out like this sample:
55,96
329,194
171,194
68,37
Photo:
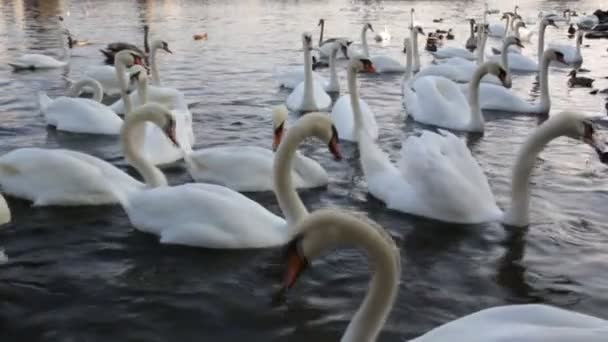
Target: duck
309,95
328,229
110,51
571,30
203,214
449,35
200,36
221,164
579,81
80,115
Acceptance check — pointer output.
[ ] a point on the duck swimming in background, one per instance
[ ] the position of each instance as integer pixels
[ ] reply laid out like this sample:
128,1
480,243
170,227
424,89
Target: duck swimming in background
578,81
571,31
450,35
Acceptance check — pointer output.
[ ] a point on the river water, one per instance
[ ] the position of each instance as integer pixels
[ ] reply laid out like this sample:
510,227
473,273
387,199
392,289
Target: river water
84,273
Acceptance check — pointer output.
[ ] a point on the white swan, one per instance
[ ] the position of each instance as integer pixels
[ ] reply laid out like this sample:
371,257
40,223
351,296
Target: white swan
324,48
333,86
342,113
169,97
308,96
34,61
154,144
450,51
586,22
494,97
503,58
80,115
414,31
198,214
364,50
572,54
438,101
382,63
223,165
500,30
516,34
328,229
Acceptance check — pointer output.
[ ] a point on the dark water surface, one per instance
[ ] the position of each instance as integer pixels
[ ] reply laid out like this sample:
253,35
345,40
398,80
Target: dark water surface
84,274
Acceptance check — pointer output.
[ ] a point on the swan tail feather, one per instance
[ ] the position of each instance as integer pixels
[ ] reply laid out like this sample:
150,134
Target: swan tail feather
43,101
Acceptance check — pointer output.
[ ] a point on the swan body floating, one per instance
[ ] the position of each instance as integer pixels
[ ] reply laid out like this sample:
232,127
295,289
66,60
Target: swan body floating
36,61
449,51
155,146
80,115
327,229
308,96
436,100
203,215
223,165
106,75
342,112
572,54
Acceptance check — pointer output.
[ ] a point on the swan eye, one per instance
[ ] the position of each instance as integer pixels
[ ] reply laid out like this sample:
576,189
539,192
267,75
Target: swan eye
560,57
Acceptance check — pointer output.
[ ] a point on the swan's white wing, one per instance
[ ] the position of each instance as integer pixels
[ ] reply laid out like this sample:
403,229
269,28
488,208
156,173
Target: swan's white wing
442,171
456,72
521,323
518,62
290,78
439,102
81,115
342,116
295,101
386,64
36,61
497,97
205,215
62,177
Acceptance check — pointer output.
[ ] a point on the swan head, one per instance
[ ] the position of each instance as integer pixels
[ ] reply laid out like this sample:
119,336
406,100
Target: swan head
554,55
512,40
129,58
321,22
161,44
307,41
581,127
419,29
138,73
320,125
157,114
368,26
547,21
361,64
497,70
520,24
279,116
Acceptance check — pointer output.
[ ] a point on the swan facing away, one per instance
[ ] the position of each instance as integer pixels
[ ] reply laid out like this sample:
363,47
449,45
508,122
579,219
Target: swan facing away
80,115
223,165
199,214
328,229
308,96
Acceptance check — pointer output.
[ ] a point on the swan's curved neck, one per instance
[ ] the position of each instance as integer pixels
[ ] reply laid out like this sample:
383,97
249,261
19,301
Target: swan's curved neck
333,74
507,25
385,261
477,121
151,174
321,35
308,86
289,201
121,71
77,88
541,42
414,34
545,99
364,41
354,102
154,67
518,212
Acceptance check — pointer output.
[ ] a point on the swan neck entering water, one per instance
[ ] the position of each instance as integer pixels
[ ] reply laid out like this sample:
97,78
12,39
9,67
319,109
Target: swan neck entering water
518,212
78,87
472,29
504,61
153,177
477,121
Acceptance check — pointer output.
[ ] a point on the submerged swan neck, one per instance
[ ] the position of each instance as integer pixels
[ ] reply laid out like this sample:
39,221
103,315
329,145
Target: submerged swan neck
78,87
477,121
518,212
153,177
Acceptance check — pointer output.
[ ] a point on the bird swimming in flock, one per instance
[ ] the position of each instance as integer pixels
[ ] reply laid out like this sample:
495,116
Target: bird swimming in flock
579,81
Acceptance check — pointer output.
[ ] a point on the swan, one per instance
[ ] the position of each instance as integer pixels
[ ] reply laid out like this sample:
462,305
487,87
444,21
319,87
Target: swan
586,22
512,48
308,96
328,229
503,58
112,49
106,74
222,165
342,112
364,47
382,63
500,30
572,54
155,145
450,51
471,43
80,115
169,97
36,61
438,101
494,97
414,31
325,49
333,86
203,215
